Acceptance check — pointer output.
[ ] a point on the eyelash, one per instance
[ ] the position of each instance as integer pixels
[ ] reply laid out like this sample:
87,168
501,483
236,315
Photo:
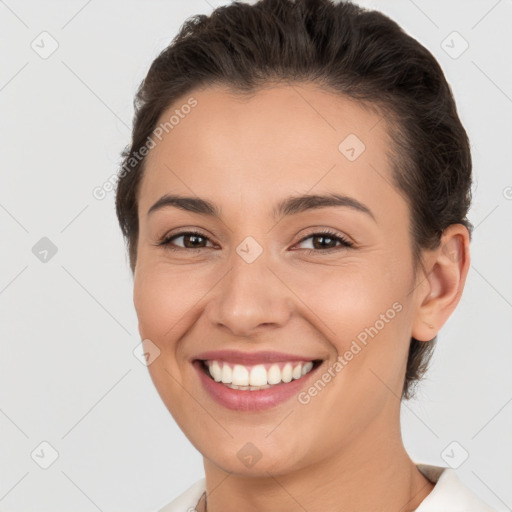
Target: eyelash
166,241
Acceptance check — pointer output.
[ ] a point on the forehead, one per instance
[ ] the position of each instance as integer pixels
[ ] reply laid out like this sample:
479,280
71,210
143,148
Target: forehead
280,139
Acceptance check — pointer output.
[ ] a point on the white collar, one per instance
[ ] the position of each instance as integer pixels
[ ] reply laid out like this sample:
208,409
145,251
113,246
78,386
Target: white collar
450,493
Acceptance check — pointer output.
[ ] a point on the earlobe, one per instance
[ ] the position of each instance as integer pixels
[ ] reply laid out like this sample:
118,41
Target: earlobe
443,284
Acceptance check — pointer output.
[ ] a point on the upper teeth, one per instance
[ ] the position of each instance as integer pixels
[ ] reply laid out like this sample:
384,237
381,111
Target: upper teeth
258,375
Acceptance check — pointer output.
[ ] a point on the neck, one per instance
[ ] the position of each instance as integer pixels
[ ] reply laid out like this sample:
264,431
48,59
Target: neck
377,475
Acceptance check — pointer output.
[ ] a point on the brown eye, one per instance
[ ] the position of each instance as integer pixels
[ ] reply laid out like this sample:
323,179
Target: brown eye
191,240
326,241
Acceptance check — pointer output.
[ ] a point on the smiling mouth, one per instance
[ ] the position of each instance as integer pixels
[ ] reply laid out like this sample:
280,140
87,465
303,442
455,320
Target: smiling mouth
259,376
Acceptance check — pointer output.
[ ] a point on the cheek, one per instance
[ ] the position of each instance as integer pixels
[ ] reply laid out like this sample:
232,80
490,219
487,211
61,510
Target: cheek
347,297
362,312
162,298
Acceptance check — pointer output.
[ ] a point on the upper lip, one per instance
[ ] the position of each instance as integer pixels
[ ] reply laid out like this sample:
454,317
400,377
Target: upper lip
248,358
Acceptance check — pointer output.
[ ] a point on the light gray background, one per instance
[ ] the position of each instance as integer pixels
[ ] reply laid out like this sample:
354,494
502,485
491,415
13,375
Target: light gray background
68,373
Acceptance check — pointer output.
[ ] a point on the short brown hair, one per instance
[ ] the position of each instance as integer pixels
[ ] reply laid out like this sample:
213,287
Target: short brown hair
358,53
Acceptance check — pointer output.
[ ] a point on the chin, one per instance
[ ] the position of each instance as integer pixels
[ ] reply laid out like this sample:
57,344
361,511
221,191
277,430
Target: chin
244,458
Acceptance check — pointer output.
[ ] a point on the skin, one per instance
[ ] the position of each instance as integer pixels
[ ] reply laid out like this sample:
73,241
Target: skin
343,450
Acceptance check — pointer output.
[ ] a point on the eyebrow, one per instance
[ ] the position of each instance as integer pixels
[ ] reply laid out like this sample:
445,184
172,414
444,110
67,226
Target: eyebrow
290,206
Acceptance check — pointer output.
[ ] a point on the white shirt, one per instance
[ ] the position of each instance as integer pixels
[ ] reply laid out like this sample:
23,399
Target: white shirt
448,495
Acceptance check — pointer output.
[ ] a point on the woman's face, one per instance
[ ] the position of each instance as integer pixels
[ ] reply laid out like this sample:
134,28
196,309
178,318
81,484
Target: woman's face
259,280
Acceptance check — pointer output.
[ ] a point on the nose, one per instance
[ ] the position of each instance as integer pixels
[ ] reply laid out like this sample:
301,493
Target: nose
249,298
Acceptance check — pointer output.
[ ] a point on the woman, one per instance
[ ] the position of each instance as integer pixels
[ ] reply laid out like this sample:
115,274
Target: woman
294,202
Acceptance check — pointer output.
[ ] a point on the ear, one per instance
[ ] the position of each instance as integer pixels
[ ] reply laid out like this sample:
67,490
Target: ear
440,288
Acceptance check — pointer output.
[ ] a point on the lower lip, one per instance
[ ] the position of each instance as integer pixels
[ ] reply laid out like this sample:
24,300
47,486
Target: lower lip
247,400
